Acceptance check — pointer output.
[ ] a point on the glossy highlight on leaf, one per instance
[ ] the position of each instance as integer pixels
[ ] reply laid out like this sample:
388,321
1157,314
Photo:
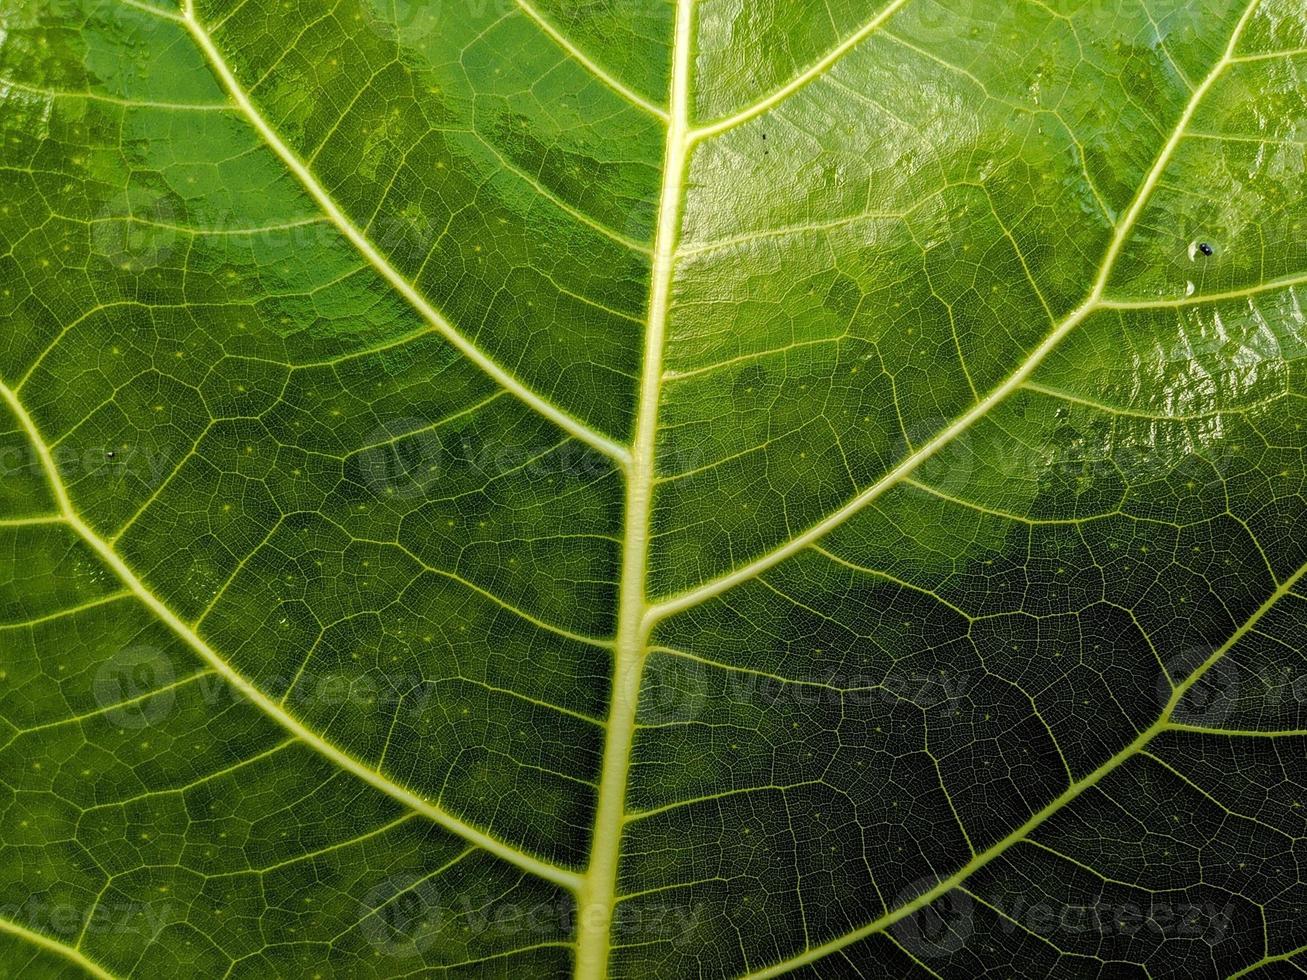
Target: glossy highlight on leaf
694,488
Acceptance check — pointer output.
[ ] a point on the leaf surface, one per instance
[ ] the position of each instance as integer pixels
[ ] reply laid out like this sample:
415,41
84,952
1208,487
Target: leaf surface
681,489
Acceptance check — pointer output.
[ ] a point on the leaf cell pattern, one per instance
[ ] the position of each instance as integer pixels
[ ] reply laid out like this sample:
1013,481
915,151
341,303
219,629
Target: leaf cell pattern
617,489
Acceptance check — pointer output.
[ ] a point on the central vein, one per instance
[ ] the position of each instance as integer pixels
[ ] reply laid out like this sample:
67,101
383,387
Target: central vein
598,890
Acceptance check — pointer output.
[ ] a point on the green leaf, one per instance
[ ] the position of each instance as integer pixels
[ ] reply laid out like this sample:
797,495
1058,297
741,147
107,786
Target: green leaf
653,489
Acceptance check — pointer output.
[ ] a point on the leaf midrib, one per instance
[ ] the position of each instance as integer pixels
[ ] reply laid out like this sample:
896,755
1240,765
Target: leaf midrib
597,895
70,953
654,613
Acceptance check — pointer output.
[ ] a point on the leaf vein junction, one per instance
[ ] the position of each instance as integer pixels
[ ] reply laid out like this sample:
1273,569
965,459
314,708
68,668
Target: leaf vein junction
1092,303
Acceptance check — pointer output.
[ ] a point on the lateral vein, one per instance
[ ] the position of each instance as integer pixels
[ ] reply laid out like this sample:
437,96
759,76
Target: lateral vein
1163,723
249,690
1014,381
813,71
590,65
359,240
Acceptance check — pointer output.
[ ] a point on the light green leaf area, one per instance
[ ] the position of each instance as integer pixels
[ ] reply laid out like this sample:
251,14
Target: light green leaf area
676,489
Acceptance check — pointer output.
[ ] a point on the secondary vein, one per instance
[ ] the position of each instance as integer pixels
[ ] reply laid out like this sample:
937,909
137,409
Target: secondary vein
248,689
590,65
1163,723
359,240
814,71
1093,302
